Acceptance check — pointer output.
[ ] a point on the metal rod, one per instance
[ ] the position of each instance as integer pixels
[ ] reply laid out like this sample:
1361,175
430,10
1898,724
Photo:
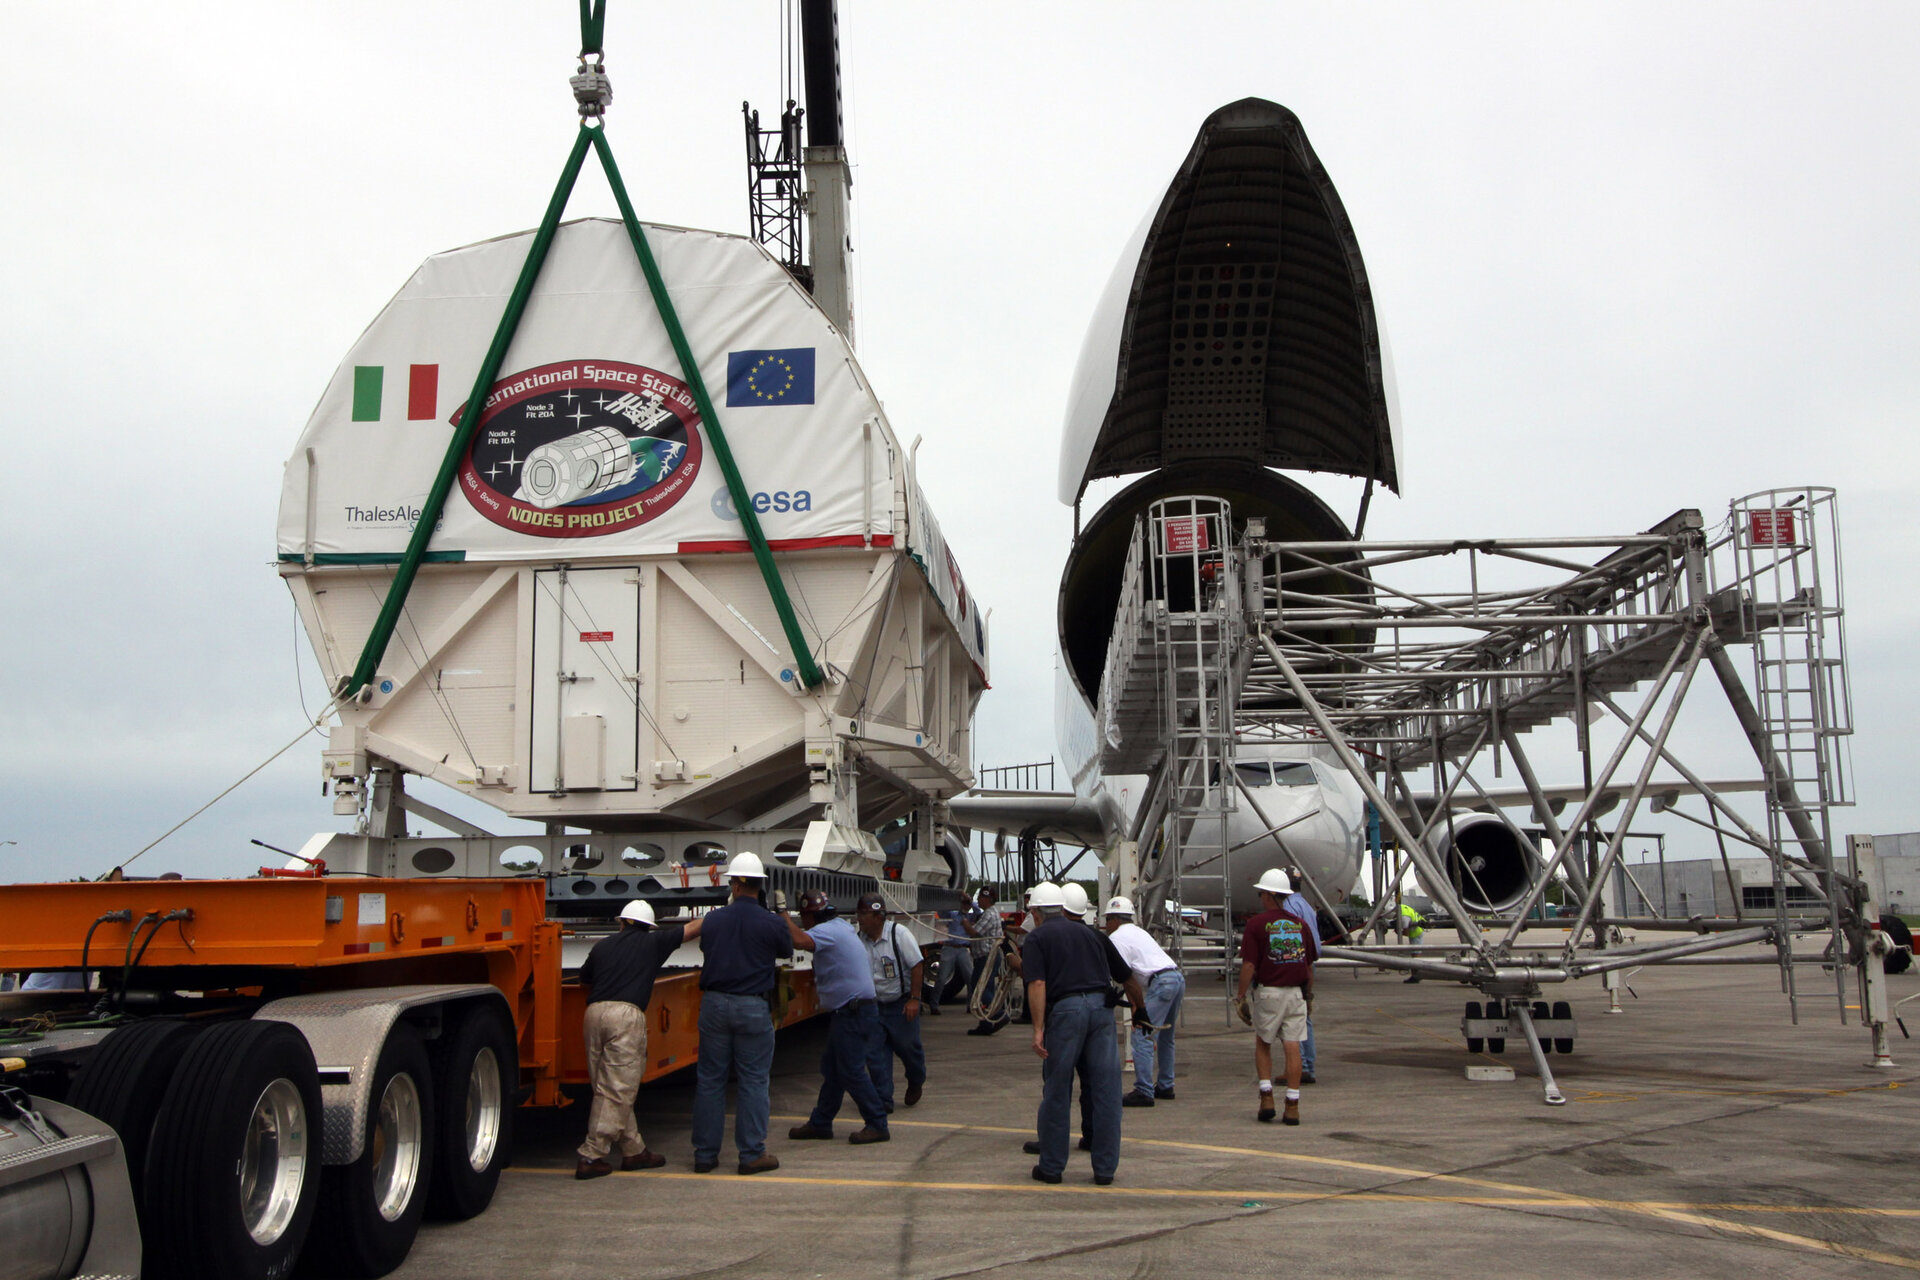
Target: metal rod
1551,1091
1442,888
1591,902
1595,788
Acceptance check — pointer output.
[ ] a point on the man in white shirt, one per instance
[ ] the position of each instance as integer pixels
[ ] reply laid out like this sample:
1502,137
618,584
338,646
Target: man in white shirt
898,968
1165,987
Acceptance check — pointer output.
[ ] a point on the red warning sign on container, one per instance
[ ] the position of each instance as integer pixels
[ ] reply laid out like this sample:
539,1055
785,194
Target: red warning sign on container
596,637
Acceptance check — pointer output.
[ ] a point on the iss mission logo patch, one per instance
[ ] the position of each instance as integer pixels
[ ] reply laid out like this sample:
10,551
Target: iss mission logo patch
582,448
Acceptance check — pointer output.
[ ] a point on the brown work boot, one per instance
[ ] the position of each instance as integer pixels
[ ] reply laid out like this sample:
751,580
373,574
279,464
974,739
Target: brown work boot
913,1094
765,1164
645,1159
869,1135
1265,1114
1291,1114
800,1132
591,1169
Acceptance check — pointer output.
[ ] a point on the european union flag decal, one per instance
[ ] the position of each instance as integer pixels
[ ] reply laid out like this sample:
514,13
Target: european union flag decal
770,377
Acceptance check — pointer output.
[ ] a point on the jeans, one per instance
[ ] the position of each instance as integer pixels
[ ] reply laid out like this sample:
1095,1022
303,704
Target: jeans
1079,1035
843,1067
956,963
1153,1051
736,1033
898,1035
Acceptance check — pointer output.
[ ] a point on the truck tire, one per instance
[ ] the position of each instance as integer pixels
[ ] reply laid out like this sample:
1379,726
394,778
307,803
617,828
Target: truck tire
370,1210
124,1082
232,1174
1475,1044
475,1074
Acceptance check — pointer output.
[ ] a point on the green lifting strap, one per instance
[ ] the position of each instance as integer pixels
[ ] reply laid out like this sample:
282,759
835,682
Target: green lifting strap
809,673
593,25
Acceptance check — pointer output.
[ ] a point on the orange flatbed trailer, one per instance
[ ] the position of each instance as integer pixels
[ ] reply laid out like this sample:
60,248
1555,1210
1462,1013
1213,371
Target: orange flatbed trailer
306,935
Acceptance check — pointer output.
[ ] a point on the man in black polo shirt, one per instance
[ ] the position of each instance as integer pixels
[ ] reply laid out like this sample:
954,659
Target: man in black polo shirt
740,942
1069,967
618,976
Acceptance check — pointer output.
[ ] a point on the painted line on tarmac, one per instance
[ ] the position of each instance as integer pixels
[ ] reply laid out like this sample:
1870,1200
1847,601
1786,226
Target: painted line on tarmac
1671,1211
1522,1195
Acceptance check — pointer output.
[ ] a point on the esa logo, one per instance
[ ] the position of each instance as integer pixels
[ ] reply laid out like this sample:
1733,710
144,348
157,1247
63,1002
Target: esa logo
778,500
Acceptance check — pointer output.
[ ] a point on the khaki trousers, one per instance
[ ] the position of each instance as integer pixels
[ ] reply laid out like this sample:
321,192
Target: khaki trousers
616,1034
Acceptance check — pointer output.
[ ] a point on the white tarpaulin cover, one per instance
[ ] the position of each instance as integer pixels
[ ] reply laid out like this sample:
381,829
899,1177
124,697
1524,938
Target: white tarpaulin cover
591,443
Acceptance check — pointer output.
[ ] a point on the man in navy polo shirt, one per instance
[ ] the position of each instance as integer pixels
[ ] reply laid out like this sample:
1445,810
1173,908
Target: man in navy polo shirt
1068,968
740,943
843,979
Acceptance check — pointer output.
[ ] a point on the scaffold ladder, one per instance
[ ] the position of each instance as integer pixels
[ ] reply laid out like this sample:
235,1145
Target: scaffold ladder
1198,630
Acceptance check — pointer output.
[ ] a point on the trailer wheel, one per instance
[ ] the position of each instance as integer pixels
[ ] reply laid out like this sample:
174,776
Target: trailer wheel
125,1081
474,1077
1497,1044
232,1174
370,1210
1540,1014
1475,1044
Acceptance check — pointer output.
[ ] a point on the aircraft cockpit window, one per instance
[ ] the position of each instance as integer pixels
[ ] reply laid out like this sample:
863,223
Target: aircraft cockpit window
1295,774
1254,774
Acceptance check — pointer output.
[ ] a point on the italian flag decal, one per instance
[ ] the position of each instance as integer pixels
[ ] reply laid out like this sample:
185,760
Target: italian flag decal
423,391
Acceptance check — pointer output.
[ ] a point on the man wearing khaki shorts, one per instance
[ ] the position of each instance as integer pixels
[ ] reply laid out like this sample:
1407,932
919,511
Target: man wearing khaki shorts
1277,950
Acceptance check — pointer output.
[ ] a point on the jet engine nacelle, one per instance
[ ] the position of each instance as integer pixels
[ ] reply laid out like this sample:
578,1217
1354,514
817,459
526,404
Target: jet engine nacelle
1491,868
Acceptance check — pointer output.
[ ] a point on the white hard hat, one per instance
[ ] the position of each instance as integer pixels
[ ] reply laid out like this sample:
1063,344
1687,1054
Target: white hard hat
1120,907
1045,894
746,865
1274,881
1074,899
639,912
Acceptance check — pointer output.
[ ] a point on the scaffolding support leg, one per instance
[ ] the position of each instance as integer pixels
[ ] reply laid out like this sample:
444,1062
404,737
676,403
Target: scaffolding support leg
1553,1096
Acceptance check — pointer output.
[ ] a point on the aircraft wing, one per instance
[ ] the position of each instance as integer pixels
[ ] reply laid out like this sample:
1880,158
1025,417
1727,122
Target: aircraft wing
1661,794
1055,815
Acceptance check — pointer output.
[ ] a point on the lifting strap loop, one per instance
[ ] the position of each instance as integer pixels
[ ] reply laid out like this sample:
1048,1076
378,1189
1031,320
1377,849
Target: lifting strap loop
593,26
808,674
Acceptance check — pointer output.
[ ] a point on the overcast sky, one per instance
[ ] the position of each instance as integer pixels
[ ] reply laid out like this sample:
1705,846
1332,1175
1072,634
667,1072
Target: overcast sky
1631,259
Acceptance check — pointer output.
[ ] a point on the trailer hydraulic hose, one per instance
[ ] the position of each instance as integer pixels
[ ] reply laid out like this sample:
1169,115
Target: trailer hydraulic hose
121,916
126,973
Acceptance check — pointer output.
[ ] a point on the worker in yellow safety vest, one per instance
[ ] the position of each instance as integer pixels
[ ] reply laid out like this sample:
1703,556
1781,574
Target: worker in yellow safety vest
1413,925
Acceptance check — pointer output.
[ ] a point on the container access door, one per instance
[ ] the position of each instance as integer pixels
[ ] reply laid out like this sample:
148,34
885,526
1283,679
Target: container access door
586,663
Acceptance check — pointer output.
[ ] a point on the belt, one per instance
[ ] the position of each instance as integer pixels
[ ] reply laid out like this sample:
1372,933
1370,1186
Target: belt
1161,973
855,1003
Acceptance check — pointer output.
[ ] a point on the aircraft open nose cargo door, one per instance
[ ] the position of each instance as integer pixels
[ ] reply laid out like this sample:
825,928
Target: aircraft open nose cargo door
585,707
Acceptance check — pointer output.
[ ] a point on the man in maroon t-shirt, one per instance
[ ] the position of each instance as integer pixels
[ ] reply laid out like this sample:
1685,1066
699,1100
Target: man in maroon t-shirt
1278,950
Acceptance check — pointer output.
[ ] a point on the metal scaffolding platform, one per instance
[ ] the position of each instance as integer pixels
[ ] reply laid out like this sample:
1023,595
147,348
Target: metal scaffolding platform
1433,658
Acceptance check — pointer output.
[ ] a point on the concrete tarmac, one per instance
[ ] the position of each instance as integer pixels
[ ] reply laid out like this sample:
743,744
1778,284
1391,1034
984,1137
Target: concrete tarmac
1703,1135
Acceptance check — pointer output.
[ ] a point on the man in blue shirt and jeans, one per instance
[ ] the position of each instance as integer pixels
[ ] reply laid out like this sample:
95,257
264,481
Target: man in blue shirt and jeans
740,943
843,979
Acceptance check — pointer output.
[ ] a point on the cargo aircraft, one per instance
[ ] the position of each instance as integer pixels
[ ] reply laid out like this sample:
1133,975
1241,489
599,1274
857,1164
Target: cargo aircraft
1236,340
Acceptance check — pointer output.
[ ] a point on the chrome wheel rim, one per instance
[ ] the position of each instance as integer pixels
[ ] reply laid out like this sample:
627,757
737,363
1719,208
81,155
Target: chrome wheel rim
273,1161
483,1109
396,1147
